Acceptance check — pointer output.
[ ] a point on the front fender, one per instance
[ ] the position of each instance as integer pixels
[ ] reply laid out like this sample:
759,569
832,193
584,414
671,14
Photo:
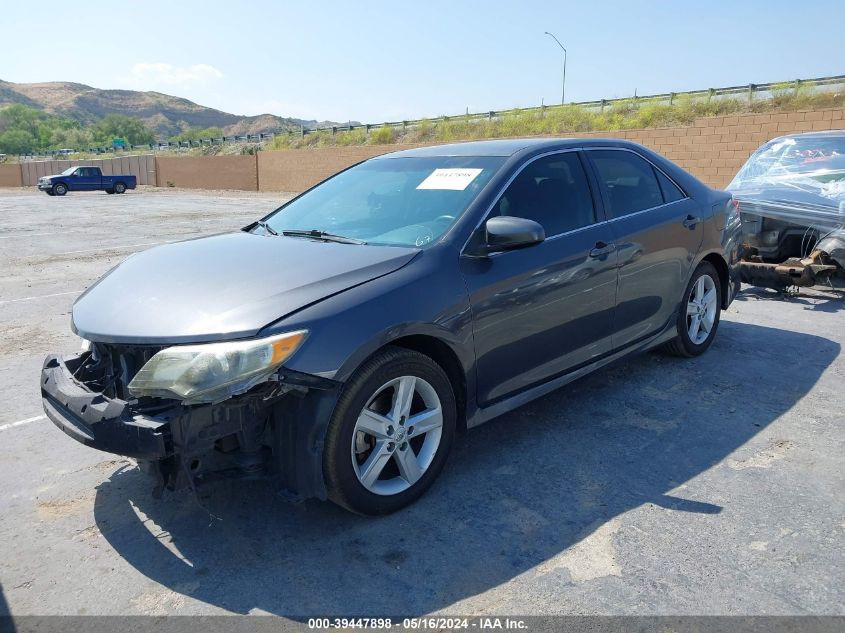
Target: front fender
395,333
427,297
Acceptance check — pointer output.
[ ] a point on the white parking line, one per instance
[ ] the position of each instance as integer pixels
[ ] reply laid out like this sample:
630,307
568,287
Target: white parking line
107,248
11,425
58,294
8,237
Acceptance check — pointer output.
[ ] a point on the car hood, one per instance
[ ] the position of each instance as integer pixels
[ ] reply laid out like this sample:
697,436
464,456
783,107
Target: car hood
223,286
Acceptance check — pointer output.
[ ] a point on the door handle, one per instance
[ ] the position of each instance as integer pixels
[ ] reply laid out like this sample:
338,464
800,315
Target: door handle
602,248
690,221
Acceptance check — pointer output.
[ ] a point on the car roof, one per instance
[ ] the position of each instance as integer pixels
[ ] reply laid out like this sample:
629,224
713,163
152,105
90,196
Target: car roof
502,147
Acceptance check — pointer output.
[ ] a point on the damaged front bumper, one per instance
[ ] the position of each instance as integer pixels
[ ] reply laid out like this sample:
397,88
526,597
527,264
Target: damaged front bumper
275,431
97,421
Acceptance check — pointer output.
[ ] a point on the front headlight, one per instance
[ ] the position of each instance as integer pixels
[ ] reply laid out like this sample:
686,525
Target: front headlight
215,371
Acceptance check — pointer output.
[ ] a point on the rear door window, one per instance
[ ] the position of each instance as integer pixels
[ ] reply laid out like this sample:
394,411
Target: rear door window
629,181
670,190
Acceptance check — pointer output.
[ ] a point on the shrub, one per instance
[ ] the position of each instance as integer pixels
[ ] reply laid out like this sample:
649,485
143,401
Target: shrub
560,120
381,136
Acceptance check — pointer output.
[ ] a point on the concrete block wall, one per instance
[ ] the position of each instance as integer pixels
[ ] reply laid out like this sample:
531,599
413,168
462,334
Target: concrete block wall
208,172
10,176
298,169
712,148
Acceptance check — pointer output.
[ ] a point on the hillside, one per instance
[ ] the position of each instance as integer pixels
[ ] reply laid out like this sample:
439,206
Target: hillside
165,114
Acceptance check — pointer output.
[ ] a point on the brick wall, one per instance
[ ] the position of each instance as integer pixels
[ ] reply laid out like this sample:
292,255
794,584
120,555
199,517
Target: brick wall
299,169
208,172
10,176
712,148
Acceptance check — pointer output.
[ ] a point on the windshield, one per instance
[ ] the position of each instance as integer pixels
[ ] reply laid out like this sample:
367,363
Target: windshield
812,157
68,171
393,201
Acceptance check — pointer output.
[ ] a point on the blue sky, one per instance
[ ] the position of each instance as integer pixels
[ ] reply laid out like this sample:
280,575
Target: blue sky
374,61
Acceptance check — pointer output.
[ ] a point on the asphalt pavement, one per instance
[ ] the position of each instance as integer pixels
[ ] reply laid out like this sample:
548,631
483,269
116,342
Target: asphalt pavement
658,486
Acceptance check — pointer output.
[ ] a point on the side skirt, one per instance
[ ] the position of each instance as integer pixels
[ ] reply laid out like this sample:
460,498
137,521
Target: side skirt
509,404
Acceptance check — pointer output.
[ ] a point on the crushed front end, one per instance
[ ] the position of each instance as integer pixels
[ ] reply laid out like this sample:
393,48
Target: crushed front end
273,430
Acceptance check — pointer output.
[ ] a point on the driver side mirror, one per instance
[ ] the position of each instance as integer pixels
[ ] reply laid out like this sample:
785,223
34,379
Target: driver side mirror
505,233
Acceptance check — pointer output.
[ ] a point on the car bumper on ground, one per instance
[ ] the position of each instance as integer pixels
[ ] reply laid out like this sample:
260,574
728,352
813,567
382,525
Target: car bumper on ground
45,186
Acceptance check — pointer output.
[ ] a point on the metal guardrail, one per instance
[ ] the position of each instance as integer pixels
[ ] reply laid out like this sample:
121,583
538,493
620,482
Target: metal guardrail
749,91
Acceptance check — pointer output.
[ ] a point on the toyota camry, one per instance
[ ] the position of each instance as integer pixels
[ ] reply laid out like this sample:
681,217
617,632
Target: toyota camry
336,346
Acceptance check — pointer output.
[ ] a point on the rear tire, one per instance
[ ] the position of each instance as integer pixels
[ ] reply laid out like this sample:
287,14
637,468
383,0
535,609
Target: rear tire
390,433
109,190
119,187
60,189
698,314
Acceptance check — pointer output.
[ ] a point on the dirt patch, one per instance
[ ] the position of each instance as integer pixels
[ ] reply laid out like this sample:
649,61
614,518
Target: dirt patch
25,337
592,557
161,602
774,451
56,509
92,531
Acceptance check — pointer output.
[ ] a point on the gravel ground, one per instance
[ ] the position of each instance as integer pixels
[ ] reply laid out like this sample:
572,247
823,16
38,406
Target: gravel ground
659,486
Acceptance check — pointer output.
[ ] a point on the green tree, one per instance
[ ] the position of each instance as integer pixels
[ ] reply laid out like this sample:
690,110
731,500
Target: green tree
119,126
21,117
36,130
71,137
17,142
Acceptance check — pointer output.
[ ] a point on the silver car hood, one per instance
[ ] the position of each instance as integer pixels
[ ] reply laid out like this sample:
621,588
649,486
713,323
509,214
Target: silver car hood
222,287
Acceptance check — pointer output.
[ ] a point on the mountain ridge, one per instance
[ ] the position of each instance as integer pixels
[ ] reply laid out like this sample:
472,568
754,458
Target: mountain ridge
167,115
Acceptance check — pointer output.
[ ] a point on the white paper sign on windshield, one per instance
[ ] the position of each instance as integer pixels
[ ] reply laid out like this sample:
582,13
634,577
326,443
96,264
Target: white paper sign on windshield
454,179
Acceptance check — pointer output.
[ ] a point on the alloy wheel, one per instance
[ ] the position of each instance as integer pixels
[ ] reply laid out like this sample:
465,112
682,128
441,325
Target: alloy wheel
701,309
396,435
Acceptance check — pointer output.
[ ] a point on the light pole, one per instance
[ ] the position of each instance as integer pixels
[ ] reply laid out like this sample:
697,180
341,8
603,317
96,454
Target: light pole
563,88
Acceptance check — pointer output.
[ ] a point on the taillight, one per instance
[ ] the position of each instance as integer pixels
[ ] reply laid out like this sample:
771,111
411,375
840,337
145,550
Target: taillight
733,211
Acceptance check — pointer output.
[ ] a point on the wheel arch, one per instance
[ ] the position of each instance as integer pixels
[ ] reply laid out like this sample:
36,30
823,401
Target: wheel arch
441,353
437,348
718,262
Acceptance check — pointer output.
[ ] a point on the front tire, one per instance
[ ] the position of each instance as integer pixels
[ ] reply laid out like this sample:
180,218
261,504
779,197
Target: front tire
390,434
59,190
698,317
